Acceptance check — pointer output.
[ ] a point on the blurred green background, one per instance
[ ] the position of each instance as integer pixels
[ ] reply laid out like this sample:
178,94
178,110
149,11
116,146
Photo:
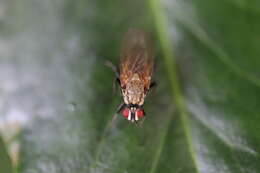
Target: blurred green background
56,100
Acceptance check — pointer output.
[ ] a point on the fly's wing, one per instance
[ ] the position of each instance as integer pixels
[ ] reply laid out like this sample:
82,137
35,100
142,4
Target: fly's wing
136,57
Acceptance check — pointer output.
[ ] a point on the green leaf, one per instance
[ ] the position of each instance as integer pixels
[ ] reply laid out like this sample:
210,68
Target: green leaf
202,118
214,119
6,165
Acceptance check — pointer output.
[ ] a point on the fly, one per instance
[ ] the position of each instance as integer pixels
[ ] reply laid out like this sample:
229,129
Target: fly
135,74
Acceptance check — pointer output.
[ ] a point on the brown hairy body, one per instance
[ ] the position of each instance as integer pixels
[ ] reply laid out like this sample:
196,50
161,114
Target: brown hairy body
134,74
136,67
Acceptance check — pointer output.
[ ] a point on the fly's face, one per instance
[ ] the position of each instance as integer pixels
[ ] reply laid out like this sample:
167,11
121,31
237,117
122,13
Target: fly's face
133,113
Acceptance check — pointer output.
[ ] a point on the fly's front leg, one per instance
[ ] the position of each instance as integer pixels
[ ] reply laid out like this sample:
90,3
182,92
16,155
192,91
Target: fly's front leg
140,122
120,108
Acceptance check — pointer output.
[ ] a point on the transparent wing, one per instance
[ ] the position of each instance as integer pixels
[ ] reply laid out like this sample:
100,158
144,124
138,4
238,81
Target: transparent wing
136,57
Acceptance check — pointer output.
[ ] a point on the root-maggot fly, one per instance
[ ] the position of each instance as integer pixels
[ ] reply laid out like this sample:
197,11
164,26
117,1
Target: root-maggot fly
134,74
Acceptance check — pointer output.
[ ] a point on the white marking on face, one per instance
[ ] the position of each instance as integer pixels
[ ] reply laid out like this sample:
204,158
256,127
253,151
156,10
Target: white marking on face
129,115
136,117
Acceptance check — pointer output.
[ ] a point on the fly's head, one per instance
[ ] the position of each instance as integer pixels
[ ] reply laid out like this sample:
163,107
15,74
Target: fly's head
133,113
134,93
133,96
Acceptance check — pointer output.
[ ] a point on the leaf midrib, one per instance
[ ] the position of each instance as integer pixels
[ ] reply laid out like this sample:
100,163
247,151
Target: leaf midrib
170,65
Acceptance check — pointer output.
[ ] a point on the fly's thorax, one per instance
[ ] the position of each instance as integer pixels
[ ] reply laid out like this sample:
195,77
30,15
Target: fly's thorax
134,91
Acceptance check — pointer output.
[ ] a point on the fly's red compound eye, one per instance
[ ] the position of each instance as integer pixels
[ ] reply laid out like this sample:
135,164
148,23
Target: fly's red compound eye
133,114
126,112
140,113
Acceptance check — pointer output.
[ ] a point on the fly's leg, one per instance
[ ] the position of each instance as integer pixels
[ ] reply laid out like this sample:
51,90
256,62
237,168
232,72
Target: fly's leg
113,67
120,108
116,71
140,122
153,86
112,122
116,81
